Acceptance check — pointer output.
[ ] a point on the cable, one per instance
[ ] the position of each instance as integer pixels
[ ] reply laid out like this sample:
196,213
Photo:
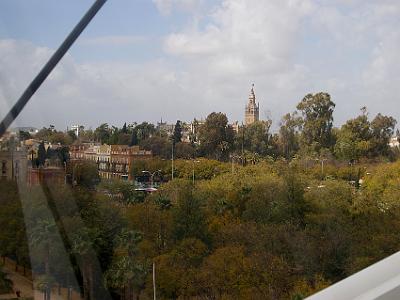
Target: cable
49,66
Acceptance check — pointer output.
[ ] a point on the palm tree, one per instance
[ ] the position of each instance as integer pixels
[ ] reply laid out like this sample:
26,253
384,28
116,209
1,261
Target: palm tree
42,235
126,273
85,242
82,247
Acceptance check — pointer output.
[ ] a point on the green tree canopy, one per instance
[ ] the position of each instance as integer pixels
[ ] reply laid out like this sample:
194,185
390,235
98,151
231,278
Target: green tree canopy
216,137
317,120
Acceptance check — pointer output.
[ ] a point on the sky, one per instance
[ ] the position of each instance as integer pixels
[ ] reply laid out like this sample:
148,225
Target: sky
143,60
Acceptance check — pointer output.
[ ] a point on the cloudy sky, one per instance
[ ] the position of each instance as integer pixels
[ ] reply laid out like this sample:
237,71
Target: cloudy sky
179,59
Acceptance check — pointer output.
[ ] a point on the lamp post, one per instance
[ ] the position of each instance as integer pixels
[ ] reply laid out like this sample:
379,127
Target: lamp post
322,160
152,176
193,175
172,161
154,281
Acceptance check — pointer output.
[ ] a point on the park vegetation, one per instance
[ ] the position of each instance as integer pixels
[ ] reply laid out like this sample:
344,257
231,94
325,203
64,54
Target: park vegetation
248,215
273,230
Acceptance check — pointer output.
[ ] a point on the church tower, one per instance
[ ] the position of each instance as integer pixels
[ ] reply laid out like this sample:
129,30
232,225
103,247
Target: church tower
252,112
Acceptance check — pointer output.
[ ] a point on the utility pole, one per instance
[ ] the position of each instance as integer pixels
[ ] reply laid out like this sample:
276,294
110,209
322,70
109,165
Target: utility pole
172,161
242,144
193,172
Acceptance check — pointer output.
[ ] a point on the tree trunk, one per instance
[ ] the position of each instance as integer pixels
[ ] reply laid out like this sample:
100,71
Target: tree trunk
85,283
91,283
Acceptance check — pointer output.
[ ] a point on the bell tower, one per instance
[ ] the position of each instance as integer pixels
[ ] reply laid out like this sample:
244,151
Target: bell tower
252,111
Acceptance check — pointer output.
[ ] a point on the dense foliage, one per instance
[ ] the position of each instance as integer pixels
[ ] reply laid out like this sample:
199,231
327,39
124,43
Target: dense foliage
272,230
250,214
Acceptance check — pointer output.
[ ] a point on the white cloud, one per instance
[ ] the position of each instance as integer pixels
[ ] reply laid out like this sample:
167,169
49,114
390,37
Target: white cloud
88,93
167,6
244,41
113,40
288,48
381,77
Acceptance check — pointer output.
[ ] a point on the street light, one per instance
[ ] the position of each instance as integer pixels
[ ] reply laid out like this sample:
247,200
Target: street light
322,160
152,176
194,161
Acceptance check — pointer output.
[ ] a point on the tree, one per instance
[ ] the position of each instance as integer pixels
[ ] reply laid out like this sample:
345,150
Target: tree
72,135
361,138
102,133
228,284
86,135
216,137
382,129
41,154
84,174
255,137
134,138
63,154
124,129
178,268
13,237
189,220
92,229
114,136
44,134
177,136
82,248
159,146
288,141
353,139
24,135
144,131
317,120
43,236
126,272
184,150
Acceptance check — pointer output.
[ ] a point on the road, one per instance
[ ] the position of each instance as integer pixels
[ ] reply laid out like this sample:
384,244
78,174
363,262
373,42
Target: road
24,285
21,283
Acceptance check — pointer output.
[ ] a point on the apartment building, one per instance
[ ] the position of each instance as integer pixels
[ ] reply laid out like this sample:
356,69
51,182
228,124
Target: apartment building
113,161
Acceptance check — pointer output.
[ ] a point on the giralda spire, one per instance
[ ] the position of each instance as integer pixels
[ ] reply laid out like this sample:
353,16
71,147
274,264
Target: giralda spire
252,110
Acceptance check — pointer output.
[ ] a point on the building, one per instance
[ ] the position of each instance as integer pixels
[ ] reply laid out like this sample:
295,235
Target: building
76,129
46,174
13,165
122,159
252,111
29,129
166,128
235,126
113,161
190,130
394,142
103,159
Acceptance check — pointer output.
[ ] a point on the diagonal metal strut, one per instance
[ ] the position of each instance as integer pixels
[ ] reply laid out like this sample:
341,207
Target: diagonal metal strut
49,66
